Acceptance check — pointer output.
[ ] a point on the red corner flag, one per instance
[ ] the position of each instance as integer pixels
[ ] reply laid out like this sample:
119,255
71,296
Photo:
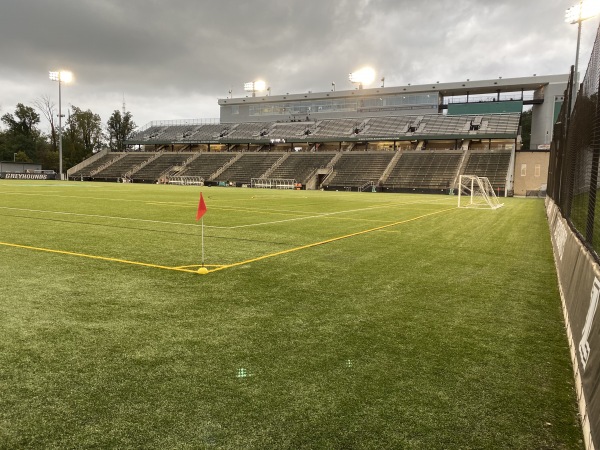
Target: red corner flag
201,208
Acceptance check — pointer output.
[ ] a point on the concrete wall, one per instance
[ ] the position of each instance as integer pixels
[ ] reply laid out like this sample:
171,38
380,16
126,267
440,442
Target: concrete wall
542,121
531,171
18,167
579,284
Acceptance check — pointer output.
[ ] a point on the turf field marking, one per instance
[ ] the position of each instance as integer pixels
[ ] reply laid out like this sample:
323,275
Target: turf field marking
102,258
293,219
187,269
98,216
327,241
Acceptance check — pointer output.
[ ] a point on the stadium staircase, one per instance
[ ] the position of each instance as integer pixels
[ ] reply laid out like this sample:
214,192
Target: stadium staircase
390,167
224,167
354,169
143,164
248,166
269,171
156,168
205,164
301,166
117,169
94,164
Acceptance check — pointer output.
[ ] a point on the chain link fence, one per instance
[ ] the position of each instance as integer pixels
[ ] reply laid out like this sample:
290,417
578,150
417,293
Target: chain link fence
575,155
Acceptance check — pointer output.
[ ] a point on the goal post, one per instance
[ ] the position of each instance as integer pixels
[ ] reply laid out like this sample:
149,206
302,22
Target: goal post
477,192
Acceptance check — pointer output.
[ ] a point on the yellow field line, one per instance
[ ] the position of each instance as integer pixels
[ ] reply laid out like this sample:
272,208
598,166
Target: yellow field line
327,241
102,258
225,266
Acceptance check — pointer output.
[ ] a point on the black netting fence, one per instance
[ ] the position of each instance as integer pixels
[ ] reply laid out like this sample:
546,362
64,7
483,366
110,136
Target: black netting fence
574,156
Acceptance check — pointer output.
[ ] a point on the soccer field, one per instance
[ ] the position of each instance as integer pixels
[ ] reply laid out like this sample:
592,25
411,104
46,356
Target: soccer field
327,320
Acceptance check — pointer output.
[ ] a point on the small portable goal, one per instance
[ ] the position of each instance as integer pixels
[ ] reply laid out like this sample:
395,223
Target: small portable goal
477,192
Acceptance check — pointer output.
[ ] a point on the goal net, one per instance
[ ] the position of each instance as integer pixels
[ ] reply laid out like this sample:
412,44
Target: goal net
477,192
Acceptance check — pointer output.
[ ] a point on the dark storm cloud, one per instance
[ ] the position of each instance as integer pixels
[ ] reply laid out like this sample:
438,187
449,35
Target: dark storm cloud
174,59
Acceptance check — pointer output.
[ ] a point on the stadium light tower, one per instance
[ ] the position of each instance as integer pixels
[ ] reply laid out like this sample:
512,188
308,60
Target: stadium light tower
255,86
585,9
62,76
362,77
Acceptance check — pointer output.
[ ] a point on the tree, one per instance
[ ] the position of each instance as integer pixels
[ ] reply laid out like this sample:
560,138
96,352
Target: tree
82,136
48,109
526,129
22,133
120,128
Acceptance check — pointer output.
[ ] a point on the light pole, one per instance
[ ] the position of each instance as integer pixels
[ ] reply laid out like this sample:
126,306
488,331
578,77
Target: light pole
585,9
60,76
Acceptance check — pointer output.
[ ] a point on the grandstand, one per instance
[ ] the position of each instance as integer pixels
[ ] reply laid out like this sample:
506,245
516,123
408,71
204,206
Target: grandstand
407,153
396,139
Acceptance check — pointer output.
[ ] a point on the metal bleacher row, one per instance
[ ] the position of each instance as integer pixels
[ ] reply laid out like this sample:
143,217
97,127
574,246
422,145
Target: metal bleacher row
392,127
390,170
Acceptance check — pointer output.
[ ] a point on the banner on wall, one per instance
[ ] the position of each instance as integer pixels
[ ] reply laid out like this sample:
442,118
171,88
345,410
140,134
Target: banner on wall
27,176
579,278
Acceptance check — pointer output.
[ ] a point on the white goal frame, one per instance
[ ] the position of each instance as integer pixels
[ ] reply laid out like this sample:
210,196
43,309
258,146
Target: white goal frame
477,192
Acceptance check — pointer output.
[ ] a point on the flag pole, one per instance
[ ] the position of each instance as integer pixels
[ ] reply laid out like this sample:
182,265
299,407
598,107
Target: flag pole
200,215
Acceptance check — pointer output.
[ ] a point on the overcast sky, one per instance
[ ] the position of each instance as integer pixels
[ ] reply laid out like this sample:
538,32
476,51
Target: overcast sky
174,59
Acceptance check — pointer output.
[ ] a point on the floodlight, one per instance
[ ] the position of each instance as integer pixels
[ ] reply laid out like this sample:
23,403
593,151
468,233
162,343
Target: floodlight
62,76
364,76
585,9
582,11
253,86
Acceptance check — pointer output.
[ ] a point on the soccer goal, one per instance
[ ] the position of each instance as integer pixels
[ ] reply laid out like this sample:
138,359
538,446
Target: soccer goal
477,192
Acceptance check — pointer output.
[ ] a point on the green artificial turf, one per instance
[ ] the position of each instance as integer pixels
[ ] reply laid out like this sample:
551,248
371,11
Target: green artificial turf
443,331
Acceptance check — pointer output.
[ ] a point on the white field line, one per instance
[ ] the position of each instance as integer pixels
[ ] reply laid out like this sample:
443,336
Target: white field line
314,216
223,207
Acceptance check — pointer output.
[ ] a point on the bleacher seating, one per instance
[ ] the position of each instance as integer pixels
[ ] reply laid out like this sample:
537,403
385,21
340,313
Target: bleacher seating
87,170
384,127
493,165
299,166
250,165
119,168
153,170
209,132
250,131
206,164
290,130
424,170
354,169
331,128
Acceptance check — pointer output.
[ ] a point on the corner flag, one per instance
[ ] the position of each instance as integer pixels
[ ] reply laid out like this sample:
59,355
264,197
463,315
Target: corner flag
201,208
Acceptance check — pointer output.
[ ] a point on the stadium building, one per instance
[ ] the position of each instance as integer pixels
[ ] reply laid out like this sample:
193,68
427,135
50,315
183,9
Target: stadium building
390,139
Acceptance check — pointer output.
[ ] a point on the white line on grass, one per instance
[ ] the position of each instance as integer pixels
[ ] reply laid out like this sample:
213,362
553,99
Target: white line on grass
314,216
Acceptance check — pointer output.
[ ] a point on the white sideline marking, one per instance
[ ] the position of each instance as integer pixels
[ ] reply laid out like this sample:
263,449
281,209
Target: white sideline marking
314,216
98,216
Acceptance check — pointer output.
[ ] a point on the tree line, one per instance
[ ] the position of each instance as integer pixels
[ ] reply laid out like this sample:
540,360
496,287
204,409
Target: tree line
83,134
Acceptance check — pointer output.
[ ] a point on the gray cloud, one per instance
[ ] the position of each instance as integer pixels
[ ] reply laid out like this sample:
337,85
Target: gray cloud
175,59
